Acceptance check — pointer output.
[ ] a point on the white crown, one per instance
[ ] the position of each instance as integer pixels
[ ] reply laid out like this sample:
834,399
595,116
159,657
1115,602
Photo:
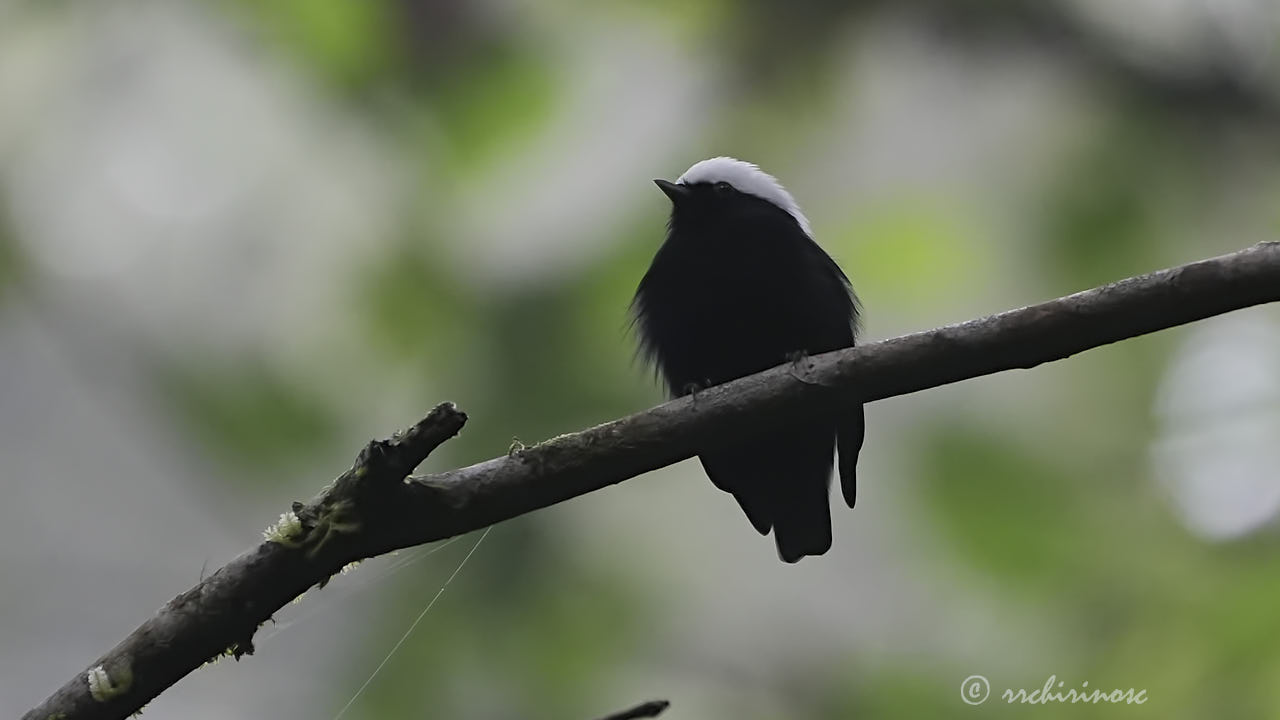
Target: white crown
749,179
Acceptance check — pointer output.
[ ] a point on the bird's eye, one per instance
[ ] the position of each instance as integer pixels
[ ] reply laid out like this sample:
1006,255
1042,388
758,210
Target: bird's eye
723,188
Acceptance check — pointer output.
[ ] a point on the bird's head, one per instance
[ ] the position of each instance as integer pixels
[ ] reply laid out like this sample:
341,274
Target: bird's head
722,189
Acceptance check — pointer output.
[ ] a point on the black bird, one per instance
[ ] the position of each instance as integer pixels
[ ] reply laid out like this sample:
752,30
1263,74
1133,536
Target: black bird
740,286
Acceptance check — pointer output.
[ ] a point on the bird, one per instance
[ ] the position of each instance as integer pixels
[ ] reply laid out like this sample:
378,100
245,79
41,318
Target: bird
739,285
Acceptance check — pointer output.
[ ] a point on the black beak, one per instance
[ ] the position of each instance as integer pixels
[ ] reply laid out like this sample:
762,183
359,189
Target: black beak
675,191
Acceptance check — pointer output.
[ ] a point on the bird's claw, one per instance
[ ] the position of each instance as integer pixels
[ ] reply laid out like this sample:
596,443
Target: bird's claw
797,368
693,388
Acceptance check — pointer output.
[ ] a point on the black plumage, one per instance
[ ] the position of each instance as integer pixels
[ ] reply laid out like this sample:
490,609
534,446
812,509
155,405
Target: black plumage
739,286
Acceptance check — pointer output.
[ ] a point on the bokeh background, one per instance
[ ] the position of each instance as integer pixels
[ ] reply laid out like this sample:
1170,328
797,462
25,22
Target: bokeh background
239,239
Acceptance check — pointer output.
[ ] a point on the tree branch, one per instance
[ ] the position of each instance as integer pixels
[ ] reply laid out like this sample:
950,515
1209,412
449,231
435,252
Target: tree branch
651,709
372,509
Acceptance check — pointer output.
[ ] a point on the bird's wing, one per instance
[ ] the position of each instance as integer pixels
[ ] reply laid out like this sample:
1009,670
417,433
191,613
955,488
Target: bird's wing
849,434
733,471
781,480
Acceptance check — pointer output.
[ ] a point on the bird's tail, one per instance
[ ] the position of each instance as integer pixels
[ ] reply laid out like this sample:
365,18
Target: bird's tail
782,483
802,513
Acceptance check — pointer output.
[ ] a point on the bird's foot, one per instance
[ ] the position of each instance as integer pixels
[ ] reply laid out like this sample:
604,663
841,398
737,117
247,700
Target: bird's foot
693,388
798,368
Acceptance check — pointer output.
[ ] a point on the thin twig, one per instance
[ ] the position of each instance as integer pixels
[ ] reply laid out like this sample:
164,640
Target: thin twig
651,709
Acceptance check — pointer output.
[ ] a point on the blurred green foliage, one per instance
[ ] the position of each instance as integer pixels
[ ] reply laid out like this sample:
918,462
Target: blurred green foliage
343,42
910,253
1051,511
251,415
505,98
1102,220
996,503
10,262
402,292
570,628
1126,592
